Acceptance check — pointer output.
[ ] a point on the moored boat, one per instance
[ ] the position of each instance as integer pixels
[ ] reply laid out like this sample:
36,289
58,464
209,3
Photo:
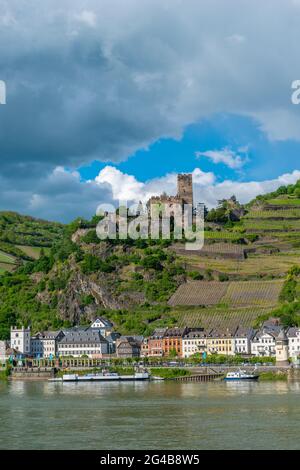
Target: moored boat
241,375
103,376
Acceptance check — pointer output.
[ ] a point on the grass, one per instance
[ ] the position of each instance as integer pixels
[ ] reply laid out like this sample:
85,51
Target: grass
169,373
33,251
6,258
273,376
4,267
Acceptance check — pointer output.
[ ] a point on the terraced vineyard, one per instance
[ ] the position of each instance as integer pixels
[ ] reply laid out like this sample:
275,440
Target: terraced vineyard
284,202
222,235
199,293
226,250
276,264
269,225
214,318
260,293
273,214
233,294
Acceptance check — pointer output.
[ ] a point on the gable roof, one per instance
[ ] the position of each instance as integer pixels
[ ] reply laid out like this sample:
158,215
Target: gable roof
106,323
82,337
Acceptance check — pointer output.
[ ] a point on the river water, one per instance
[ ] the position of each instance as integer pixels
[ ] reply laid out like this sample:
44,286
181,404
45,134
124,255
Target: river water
155,415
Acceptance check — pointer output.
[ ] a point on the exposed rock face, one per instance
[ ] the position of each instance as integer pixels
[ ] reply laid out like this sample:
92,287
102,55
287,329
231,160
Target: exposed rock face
81,232
70,304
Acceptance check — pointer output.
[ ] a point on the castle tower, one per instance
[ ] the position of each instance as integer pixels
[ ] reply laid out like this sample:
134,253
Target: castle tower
185,188
20,339
282,349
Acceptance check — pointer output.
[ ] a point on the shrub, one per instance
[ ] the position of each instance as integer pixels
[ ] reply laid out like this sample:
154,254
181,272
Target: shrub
223,277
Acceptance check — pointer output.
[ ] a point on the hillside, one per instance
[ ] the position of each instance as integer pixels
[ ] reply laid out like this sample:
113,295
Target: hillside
23,237
246,271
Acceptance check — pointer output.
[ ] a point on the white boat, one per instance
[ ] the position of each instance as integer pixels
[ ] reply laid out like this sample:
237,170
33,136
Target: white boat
102,377
241,375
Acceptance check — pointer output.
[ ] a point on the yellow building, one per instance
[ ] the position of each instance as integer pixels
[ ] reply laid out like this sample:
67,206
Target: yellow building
220,342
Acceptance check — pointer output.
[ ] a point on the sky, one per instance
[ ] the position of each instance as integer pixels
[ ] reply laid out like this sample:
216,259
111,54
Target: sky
108,100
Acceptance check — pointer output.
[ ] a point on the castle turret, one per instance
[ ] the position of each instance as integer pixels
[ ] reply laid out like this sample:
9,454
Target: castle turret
185,188
282,349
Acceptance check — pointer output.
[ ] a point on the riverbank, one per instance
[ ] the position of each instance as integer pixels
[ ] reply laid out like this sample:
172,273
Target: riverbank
4,374
274,376
271,373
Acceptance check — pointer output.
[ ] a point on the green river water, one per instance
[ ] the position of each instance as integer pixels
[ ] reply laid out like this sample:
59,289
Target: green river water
155,415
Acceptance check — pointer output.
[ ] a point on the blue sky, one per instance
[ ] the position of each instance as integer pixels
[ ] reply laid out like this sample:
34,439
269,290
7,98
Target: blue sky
265,159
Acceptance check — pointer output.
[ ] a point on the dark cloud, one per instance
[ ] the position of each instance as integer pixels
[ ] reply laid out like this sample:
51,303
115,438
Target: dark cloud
99,79
59,196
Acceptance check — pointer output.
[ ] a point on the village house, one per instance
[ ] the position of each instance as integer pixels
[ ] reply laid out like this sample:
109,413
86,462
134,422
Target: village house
220,342
128,347
155,343
264,340
83,343
293,335
145,348
172,341
242,340
45,344
104,326
194,342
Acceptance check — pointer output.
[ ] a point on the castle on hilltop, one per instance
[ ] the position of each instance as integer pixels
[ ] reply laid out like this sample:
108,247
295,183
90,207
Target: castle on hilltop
184,193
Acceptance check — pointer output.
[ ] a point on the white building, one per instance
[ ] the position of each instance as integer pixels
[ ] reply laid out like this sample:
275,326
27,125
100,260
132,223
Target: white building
20,339
193,342
79,343
263,342
104,326
293,335
242,340
45,344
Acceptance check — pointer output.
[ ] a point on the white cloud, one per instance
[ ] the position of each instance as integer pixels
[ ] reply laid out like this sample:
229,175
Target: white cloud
124,187
206,187
226,156
245,191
